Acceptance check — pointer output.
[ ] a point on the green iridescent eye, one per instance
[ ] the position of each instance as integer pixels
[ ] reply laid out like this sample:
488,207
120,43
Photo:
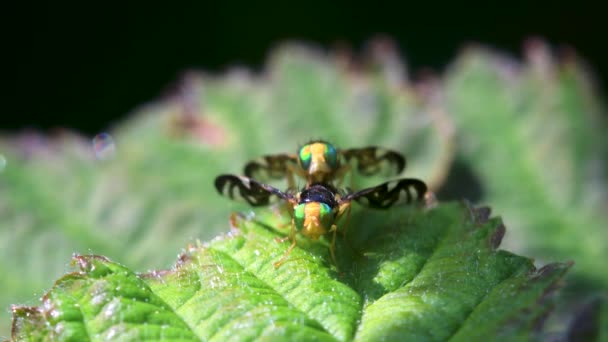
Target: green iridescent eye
299,214
331,156
326,215
305,156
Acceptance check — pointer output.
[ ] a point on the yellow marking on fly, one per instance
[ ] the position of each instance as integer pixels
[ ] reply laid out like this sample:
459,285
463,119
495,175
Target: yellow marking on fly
318,163
312,221
318,151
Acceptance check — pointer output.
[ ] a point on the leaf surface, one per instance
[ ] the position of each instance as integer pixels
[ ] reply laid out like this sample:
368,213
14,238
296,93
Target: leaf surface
433,274
60,194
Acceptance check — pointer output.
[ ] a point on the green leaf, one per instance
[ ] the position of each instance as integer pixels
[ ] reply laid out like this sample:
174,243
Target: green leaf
534,135
142,204
531,133
103,301
403,273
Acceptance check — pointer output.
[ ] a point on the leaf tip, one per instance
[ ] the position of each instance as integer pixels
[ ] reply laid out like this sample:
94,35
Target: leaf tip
22,316
499,234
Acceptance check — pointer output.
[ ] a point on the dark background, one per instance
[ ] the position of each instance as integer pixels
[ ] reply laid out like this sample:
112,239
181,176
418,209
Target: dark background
87,66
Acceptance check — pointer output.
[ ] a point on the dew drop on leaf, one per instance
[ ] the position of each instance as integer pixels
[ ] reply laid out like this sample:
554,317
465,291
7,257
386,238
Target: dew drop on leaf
55,313
103,146
111,308
111,333
98,299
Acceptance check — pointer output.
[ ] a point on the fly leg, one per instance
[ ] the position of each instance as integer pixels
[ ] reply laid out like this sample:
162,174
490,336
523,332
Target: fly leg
294,170
292,237
332,247
344,209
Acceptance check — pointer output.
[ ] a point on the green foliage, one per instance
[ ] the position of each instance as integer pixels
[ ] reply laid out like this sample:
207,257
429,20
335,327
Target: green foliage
418,275
156,193
535,137
530,134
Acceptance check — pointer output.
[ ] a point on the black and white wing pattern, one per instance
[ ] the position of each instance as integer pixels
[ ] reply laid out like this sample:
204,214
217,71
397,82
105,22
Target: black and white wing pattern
374,160
246,189
386,194
270,167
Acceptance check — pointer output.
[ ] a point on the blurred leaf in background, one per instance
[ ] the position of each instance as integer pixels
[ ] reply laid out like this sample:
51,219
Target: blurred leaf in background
534,135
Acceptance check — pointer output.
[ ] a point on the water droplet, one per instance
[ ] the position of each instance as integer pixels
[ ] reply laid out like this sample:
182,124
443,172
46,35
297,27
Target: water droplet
103,146
55,313
98,299
111,308
2,163
112,333
59,328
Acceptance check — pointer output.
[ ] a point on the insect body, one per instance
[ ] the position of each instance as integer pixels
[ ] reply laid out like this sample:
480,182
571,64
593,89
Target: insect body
320,162
316,210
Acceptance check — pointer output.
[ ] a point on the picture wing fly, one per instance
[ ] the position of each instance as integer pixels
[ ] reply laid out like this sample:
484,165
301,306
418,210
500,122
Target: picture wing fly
270,167
374,160
386,194
248,190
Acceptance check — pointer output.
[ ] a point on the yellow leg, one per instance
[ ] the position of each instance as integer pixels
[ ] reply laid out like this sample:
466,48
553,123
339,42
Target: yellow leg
281,240
332,247
294,170
234,221
292,237
279,210
344,209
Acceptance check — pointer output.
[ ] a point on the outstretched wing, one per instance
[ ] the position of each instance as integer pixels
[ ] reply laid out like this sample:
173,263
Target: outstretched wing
270,167
246,189
374,160
386,194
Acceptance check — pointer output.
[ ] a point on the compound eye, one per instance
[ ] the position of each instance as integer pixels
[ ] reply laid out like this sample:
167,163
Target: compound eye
305,156
326,215
299,214
331,156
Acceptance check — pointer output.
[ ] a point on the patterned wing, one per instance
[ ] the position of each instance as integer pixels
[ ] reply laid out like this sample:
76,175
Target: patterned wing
386,194
246,189
374,160
270,167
